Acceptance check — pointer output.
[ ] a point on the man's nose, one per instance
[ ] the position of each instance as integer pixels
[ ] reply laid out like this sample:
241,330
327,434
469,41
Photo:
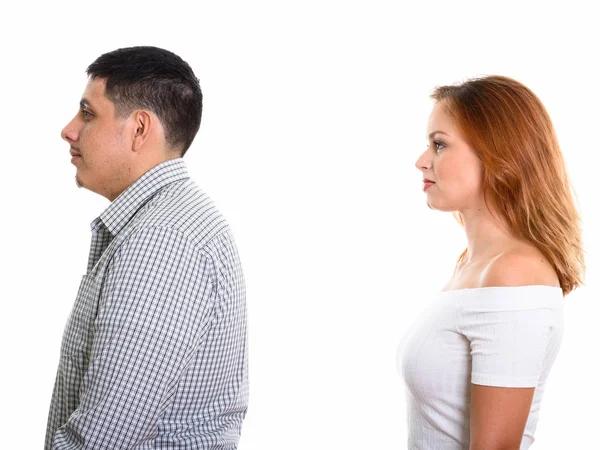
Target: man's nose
69,133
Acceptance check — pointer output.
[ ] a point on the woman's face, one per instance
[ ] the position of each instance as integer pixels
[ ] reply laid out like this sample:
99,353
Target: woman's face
451,164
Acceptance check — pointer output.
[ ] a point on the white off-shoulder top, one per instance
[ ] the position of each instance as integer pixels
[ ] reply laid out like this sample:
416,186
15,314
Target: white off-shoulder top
492,336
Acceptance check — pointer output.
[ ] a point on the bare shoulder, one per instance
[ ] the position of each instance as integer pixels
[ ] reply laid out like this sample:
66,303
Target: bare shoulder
519,267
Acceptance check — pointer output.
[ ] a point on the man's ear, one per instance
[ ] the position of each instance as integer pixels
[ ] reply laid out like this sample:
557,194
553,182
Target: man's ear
143,123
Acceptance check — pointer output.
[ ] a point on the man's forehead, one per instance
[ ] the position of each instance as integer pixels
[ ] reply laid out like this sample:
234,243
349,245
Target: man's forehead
93,94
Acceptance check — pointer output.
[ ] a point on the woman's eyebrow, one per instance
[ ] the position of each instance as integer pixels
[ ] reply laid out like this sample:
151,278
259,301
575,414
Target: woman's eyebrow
437,131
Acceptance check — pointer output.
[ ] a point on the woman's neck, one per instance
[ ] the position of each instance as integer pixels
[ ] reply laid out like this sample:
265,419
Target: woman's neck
486,236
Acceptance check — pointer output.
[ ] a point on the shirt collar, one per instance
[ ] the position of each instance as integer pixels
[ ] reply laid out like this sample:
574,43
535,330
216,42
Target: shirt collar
124,207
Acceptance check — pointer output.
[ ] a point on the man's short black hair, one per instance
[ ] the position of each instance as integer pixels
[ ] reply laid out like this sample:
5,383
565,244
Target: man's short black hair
155,79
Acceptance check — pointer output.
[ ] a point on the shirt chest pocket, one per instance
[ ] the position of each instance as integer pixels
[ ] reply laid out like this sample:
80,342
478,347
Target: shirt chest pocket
78,334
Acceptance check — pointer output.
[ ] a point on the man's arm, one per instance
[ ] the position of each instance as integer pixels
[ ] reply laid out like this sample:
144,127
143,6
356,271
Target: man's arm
156,302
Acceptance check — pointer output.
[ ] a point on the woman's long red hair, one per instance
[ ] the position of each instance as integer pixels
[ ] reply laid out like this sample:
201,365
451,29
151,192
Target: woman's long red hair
524,175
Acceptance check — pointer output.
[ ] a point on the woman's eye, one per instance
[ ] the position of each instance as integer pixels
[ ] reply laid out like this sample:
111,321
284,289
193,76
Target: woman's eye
438,145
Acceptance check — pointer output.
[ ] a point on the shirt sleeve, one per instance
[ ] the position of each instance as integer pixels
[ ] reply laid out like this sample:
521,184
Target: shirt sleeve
155,305
510,338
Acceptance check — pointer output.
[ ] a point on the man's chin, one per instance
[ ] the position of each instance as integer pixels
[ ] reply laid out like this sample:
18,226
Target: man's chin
78,182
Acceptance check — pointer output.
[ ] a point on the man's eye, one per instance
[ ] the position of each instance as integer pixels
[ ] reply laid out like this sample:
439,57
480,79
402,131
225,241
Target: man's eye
85,114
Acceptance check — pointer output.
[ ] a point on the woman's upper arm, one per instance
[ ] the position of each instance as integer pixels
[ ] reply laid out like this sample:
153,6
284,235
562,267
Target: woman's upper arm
498,416
508,349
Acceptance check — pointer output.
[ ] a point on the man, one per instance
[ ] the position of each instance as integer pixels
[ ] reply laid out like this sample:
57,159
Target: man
154,352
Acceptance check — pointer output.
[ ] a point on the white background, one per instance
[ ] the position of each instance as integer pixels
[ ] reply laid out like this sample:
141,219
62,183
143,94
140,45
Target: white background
314,114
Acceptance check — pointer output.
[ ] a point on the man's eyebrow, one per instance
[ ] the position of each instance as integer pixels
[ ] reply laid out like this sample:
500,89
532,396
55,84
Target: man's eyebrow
433,133
84,103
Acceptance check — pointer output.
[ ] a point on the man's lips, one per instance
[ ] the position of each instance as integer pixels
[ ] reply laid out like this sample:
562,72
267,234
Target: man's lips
74,153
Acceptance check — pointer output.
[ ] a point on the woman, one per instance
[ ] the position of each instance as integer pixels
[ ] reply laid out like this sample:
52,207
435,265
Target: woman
476,365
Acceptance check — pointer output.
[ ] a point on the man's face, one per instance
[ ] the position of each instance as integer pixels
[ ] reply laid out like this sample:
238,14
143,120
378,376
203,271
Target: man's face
103,142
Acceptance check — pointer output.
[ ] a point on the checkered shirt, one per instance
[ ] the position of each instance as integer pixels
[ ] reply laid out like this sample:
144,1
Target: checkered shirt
154,353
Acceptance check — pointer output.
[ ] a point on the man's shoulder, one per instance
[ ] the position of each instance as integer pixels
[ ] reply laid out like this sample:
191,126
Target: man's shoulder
185,209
